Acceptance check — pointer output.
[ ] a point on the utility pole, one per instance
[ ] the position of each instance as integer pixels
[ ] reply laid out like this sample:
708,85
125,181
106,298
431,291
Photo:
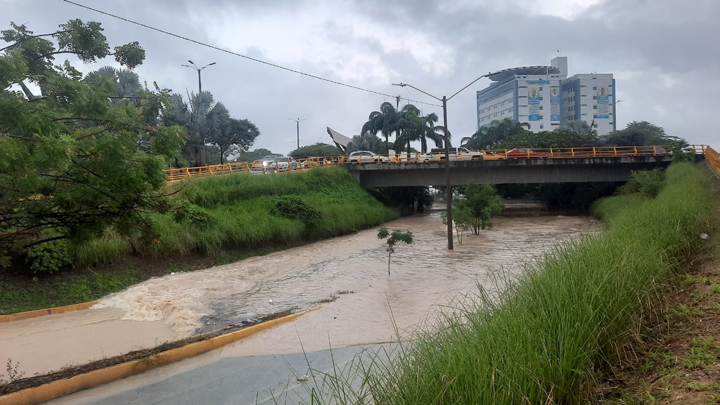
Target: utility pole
194,67
448,182
297,121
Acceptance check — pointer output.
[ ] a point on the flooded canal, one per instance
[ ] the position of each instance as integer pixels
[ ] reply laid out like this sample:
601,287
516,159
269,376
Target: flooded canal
362,303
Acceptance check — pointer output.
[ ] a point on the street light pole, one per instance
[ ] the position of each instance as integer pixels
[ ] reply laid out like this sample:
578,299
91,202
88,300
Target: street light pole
297,121
448,182
198,72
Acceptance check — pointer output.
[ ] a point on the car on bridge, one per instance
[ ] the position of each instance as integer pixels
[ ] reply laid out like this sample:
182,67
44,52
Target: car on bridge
274,164
524,153
364,156
459,153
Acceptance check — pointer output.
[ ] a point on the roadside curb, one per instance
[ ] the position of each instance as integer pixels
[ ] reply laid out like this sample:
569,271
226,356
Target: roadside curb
59,388
47,311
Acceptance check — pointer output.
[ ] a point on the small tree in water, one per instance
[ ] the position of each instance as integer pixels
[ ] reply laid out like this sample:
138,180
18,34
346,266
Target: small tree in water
393,239
482,203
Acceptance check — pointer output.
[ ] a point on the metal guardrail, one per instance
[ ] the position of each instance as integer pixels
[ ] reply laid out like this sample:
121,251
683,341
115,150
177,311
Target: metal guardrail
177,174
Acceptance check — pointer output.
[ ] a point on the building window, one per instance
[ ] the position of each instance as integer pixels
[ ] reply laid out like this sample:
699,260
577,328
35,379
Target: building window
541,107
541,126
594,115
583,105
540,88
594,107
594,87
594,97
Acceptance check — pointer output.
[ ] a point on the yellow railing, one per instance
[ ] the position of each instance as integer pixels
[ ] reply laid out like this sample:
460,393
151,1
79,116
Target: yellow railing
713,158
416,157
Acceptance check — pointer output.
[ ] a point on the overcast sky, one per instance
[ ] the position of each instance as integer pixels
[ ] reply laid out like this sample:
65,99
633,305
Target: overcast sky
664,54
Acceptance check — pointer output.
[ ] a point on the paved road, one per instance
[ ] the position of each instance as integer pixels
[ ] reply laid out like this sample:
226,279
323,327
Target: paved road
235,380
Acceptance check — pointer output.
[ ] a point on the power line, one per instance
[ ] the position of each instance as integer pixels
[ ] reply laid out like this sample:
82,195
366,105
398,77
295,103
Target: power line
239,54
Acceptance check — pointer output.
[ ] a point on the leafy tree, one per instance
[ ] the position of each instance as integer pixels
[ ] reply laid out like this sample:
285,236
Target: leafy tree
232,136
71,163
559,138
462,221
249,156
482,203
578,126
393,239
637,133
318,149
366,141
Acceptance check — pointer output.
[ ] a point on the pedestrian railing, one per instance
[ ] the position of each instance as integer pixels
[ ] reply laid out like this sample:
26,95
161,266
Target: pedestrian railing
258,167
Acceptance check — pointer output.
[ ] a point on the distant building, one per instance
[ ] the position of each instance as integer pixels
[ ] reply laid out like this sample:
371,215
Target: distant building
545,98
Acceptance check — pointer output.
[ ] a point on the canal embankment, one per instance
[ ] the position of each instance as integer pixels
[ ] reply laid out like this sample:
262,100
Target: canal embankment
552,335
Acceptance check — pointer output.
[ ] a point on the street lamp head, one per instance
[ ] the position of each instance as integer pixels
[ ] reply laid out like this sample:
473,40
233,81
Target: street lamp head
211,64
191,61
399,84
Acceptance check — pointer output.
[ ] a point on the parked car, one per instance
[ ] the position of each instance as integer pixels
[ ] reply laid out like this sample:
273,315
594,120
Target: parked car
363,156
279,163
525,152
459,153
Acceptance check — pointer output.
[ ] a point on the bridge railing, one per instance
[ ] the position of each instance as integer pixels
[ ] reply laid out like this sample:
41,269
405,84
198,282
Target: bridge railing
713,158
257,166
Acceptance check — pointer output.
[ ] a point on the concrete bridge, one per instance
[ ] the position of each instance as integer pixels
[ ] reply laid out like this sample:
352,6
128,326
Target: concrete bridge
506,171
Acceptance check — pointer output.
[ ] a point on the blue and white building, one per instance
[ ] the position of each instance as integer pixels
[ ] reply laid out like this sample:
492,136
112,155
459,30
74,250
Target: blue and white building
545,98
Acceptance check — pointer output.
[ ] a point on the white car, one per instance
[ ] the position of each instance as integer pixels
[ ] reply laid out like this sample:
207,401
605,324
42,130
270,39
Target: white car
460,153
279,163
363,156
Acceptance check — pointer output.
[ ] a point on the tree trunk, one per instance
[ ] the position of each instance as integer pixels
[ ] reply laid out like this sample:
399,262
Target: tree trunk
389,255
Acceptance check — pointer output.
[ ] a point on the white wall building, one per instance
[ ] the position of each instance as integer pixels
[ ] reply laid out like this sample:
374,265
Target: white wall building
545,98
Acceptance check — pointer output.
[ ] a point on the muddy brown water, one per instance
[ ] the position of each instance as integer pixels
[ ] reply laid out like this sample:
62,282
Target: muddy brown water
368,305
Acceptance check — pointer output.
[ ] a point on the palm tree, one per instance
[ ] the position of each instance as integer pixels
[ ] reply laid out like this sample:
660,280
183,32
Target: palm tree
486,137
409,127
384,121
201,116
127,83
431,131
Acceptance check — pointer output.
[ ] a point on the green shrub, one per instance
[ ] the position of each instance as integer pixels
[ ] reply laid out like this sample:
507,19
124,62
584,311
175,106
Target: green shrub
49,257
293,207
644,182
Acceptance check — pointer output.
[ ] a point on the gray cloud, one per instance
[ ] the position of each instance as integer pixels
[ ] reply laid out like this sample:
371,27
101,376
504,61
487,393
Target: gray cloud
663,53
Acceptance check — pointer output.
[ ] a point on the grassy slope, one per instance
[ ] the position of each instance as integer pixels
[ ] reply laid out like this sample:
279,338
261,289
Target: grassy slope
240,224
546,337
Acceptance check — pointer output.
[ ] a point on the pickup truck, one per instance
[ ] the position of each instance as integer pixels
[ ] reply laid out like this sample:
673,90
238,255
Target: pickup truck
460,153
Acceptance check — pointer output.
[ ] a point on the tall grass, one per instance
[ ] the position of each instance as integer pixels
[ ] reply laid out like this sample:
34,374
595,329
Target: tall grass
238,211
545,337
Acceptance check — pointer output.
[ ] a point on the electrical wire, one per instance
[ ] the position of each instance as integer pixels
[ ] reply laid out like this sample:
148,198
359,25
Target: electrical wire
239,54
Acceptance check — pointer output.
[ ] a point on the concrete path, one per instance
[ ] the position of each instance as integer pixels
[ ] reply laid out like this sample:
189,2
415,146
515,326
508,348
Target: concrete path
266,379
